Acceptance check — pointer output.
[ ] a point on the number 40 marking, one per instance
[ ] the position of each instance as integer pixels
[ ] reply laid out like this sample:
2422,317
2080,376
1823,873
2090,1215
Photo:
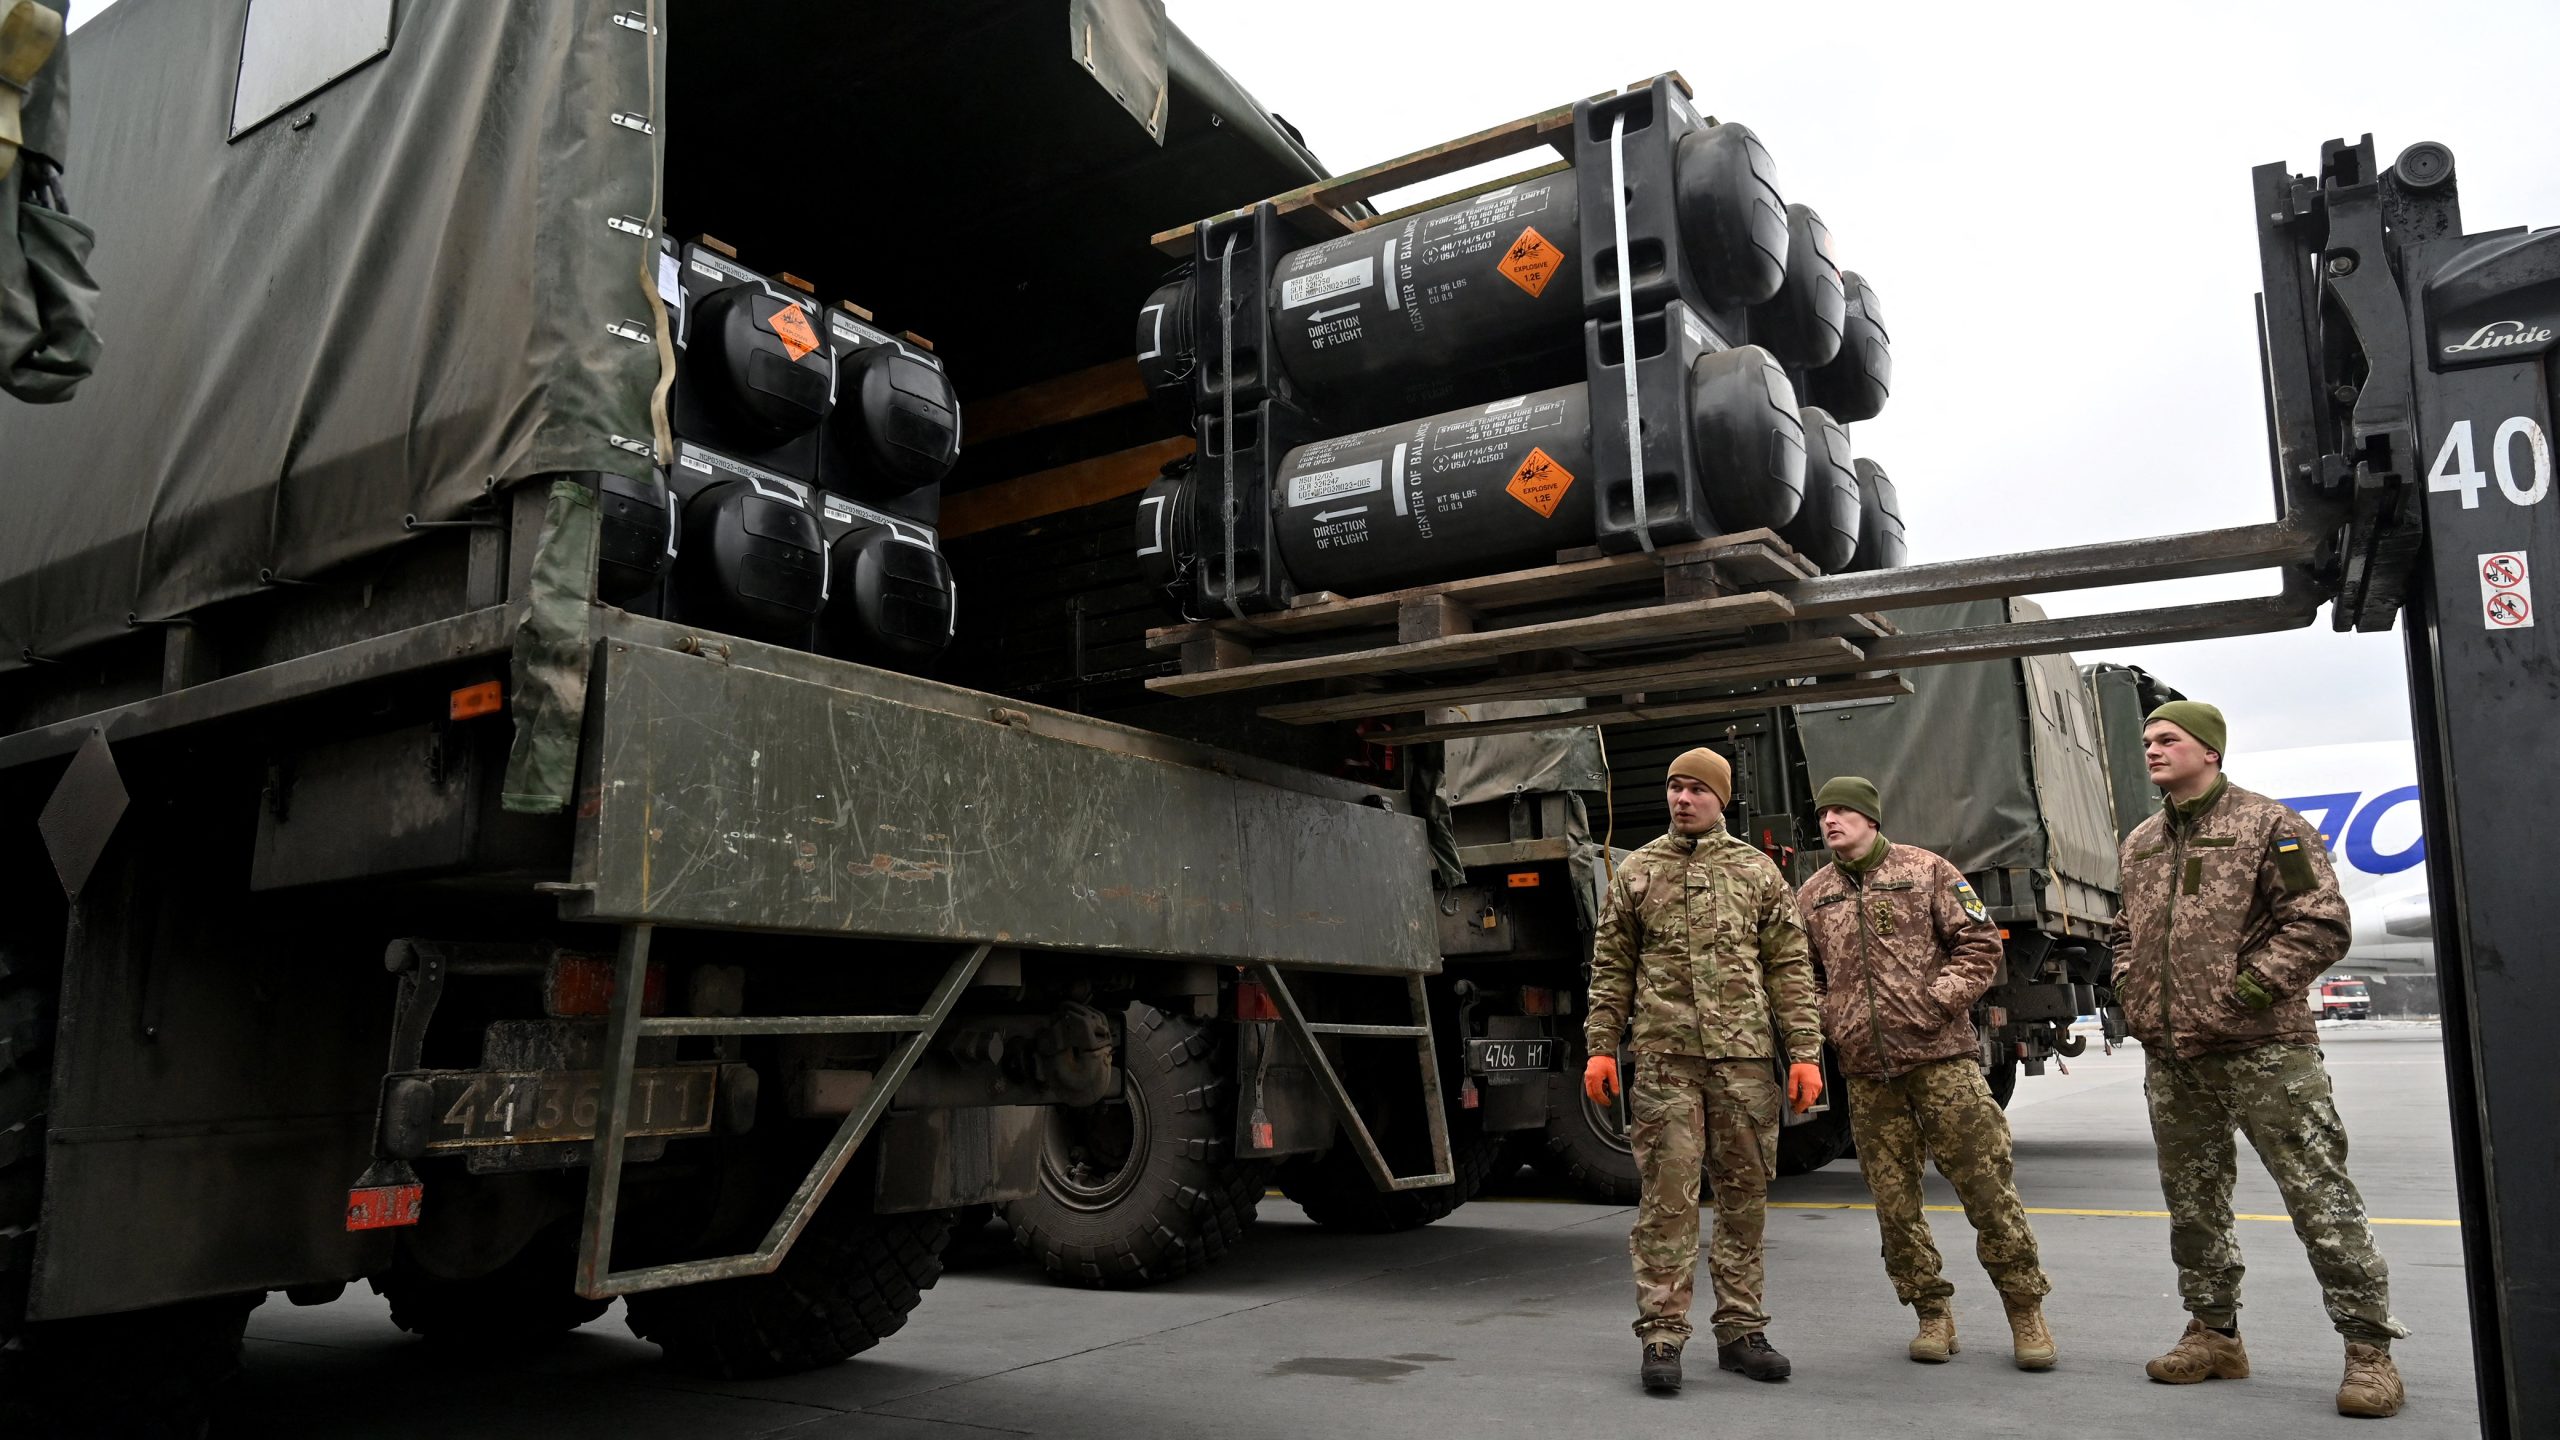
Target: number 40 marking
2457,469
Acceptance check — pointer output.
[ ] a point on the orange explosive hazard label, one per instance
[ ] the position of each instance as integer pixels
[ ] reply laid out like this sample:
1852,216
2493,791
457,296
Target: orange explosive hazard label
1540,483
1531,262
792,328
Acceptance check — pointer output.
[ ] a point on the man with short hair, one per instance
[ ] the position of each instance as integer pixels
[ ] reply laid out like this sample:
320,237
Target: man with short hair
2231,911
1906,948
1698,944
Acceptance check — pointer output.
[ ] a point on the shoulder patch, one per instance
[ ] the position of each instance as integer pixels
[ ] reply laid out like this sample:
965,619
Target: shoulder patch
1973,907
2293,865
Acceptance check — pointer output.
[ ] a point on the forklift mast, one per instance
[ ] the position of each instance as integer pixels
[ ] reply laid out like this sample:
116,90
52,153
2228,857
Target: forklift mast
2410,382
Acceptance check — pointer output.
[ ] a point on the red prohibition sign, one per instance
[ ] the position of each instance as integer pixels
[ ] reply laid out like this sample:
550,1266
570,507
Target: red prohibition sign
2508,608
2503,572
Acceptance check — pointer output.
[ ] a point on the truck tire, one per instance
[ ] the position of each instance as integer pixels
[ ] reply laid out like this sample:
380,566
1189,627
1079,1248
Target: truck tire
148,1375
1335,1190
1586,1147
846,1286
528,1300
1803,1149
1146,1188
2003,1080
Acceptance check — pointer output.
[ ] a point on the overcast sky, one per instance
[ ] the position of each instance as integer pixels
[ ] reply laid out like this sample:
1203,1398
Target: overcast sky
2053,205
2053,209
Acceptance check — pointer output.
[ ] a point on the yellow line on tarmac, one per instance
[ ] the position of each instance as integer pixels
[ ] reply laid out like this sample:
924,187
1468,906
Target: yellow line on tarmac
2106,1214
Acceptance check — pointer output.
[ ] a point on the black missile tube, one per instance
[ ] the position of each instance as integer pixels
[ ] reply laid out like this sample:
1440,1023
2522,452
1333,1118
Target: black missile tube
1488,487
1484,296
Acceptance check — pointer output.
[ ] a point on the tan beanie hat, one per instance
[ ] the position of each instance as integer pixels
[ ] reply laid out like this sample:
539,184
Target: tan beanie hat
1708,768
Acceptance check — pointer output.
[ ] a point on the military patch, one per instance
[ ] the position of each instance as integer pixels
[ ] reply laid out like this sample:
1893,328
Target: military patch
1972,903
1882,910
2294,865
2194,877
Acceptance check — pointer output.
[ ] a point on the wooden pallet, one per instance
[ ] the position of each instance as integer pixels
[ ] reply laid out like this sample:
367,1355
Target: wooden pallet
1331,207
1616,630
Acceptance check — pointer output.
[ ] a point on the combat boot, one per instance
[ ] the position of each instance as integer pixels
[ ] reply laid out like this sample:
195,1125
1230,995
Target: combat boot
2372,1387
2031,1344
2201,1354
1937,1338
1661,1369
1754,1358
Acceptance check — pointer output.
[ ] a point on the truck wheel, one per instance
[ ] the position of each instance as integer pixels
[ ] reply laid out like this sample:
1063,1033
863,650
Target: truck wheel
526,1301
846,1286
147,1375
1803,1149
1335,1190
1142,1189
1586,1144
2003,1079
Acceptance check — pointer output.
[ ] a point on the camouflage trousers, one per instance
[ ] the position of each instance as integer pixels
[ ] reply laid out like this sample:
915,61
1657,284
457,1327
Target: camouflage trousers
1941,1111
1698,1120
2278,1096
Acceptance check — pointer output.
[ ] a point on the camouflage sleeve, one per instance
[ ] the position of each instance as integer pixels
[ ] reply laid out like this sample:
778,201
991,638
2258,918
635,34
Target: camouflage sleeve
1614,945
2308,929
1786,968
1970,940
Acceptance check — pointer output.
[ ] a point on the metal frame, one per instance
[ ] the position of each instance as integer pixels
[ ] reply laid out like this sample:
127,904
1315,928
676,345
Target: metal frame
597,1280
1305,1032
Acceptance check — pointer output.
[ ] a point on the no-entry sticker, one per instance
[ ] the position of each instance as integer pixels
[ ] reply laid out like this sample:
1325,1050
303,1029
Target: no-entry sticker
2506,590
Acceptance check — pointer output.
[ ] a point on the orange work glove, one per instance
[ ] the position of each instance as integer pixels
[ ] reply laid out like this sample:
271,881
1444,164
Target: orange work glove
1804,1086
1600,1079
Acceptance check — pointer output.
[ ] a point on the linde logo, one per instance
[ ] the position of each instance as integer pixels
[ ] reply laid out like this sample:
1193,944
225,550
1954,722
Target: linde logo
2500,335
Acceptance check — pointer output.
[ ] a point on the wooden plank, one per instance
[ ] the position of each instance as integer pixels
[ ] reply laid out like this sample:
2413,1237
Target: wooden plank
1722,614
1511,589
1095,391
1066,487
1407,212
1509,138
1432,617
1750,702
1784,661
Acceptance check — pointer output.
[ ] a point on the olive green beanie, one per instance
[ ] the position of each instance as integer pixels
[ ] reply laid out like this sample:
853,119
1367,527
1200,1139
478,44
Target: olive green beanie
2196,718
1850,792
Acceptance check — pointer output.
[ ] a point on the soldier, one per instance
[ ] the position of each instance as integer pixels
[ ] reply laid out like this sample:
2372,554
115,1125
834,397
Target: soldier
2230,912
1699,945
1906,948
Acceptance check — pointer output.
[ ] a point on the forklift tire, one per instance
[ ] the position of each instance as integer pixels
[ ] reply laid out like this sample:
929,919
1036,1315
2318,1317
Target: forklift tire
1145,1188
1585,1148
524,1302
159,1374
1335,1190
845,1287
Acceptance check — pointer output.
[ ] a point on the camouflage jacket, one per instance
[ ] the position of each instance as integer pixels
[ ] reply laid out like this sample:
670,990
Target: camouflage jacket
1905,950
1699,944
2241,881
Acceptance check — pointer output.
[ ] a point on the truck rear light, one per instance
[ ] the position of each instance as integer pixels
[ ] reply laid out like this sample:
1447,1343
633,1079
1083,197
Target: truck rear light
1996,1016
1537,1000
1467,1097
578,986
1525,880
1253,1002
472,701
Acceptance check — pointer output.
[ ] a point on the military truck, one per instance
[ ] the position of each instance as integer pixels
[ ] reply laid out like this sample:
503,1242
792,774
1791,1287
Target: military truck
477,814
2001,766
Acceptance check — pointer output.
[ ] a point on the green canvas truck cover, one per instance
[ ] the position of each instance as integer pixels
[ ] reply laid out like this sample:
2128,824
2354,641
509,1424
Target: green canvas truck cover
1994,765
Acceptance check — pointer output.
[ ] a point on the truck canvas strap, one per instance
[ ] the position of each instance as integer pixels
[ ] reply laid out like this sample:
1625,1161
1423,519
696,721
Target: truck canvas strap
623,1034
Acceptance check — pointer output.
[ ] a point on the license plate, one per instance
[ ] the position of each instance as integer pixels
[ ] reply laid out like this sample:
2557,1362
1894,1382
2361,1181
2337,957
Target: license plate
1502,1057
537,1107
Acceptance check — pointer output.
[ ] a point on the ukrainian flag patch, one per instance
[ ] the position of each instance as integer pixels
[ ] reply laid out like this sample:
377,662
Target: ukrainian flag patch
1972,903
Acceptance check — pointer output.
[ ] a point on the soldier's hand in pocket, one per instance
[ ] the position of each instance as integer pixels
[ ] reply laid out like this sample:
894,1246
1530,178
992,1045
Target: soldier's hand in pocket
1600,1079
1804,1086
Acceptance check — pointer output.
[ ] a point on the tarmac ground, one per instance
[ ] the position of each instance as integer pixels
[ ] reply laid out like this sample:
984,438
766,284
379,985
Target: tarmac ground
1511,1317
